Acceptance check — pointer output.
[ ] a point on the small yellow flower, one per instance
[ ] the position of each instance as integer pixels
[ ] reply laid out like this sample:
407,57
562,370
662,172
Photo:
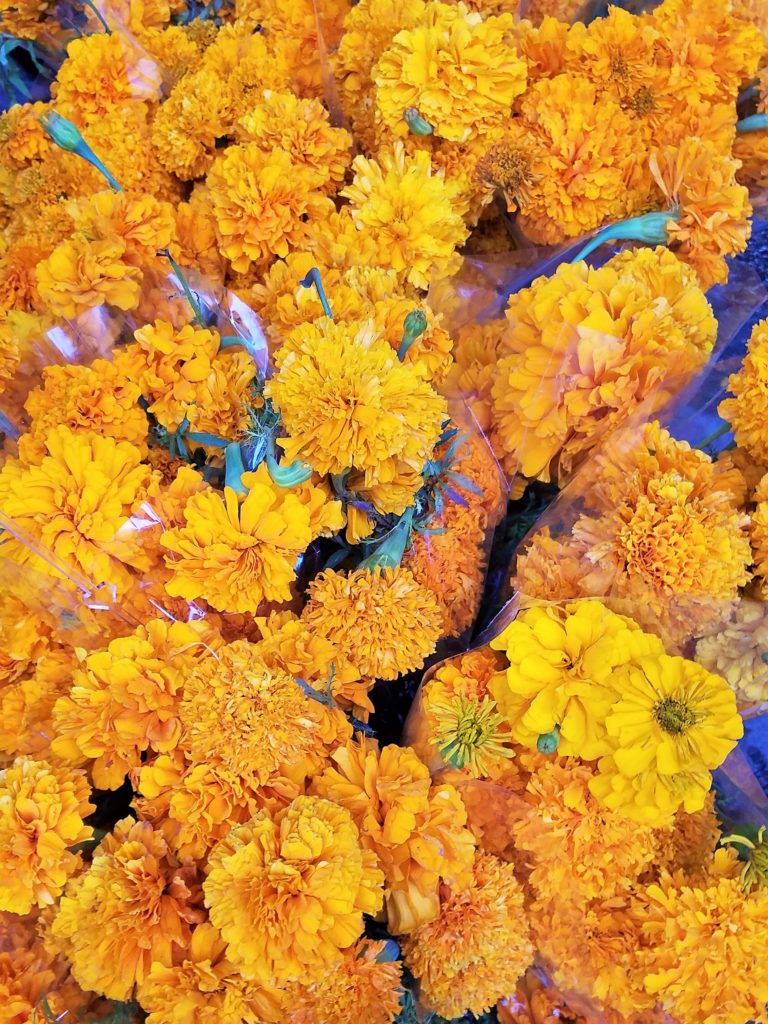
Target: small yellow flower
81,274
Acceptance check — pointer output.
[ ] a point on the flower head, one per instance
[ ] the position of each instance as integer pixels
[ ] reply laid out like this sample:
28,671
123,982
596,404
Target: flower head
384,620
41,815
735,649
749,387
408,210
415,829
477,947
80,274
288,891
456,68
131,909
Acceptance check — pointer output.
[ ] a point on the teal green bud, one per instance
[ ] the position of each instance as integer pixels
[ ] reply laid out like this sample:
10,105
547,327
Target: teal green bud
389,553
548,742
414,324
753,123
68,137
650,229
416,122
288,476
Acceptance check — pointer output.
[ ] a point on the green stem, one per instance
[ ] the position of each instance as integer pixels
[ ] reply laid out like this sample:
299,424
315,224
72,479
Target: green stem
190,295
650,228
234,467
717,433
313,278
753,123
67,136
97,12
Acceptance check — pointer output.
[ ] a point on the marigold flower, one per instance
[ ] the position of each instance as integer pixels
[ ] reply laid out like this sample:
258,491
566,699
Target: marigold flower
255,723
80,274
734,649
689,845
384,620
186,126
702,952
347,402
580,851
41,814
205,987
76,503
95,399
26,707
125,700
585,347
301,128
102,71
475,950
455,68
144,224
711,211
673,722
561,662
359,987
470,378
234,553
288,891
262,202
415,829
749,386
408,209
131,909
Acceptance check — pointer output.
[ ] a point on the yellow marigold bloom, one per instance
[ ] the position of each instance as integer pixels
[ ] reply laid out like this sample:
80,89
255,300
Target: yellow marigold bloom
408,209
255,723
475,950
542,45
673,722
749,386
182,375
205,988
131,909
262,201
751,150
80,274
457,69
95,399
186,126
76,503
23,136
301,128
430,353
288,891
470,378
26,707
711,218
735,648
102,71
689,845
579,850
617,53
25,638
562,659
347,402
415,829
357,988
237,553
144,224
582,350
41,814
702,956
383,620
197,241
175,49
585,156
125,699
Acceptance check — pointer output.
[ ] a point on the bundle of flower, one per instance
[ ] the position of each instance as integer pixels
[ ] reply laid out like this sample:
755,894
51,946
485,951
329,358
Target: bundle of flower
248,487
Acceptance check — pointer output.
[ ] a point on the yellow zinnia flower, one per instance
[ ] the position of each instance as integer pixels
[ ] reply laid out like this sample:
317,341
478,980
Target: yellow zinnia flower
561,662
383,619
672,723
41,815
456,69
288,891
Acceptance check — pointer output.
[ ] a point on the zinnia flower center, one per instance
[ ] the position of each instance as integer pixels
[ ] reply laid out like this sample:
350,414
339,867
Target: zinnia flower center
674,716
468,732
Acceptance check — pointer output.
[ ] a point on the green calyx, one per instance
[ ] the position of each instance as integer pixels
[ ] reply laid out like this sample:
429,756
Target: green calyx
416,123
753,123
650,229
296,473
414,326
67,136
548,742
313,278
389,553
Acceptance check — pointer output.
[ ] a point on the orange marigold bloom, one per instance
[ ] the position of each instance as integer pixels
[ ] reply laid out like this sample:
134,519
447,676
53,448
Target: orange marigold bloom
80,274
470,378
237,553
125,699
301,128
710,211
262,202
747,409
360,987
41,814
204,988
690,843
415,829
131,909
585,347
347,402
383,619
475,950
102,71
197,240
288,891
255,723
702,955
455,68
144,224
76,503
26,707
408,209
185,128
95,399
